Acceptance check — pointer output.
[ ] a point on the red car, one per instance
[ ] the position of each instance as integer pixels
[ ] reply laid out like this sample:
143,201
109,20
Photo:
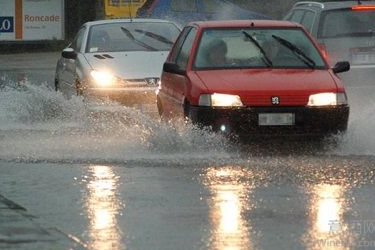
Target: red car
253,78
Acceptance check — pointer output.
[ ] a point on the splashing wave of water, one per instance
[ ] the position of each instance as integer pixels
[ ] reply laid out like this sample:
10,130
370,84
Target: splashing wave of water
39,124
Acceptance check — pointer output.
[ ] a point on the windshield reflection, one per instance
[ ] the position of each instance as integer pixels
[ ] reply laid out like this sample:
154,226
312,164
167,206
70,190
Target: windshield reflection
328,229
103,206
230,230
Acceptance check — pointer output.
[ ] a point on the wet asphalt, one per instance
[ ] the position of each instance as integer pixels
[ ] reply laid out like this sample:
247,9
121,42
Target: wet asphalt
21,230
95,190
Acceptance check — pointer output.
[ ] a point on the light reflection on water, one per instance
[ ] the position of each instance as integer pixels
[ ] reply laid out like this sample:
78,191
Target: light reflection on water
328,229
103,207
230,230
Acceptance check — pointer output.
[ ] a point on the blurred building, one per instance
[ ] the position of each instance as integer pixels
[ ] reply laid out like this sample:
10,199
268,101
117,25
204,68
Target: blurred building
121,8
80,11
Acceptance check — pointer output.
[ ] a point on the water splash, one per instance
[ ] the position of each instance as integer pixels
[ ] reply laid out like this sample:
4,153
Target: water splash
29,105
39,124
359,139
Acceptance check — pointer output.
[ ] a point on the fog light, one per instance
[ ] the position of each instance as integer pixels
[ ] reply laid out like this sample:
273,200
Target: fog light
223,128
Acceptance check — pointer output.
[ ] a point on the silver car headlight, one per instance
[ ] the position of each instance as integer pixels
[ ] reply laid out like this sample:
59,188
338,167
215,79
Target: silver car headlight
103,78
220,100
327,99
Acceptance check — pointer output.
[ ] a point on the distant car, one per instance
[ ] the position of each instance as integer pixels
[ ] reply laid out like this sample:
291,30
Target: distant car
183,11
253,78
118,59
345,30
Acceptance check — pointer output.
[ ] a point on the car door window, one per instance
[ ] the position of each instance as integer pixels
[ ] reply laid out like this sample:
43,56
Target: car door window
78,40
308,20
296,16
183,56
184,6
180,40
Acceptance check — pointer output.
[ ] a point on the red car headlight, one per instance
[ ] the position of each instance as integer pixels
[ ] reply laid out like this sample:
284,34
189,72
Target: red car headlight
327,99
220,100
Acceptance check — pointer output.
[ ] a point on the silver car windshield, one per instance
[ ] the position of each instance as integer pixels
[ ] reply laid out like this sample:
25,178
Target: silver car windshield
257,48
135,36
347,23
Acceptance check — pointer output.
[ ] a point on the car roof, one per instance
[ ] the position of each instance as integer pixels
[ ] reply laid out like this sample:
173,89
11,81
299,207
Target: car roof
245,23
330,5
128,20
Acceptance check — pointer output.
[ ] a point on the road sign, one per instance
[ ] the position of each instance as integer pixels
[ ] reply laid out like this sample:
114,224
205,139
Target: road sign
28,20
6,24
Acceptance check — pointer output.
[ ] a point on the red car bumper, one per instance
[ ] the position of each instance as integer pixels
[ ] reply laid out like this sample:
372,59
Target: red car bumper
245,121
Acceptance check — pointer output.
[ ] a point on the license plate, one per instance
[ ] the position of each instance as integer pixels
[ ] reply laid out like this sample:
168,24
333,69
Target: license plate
276,119
363,58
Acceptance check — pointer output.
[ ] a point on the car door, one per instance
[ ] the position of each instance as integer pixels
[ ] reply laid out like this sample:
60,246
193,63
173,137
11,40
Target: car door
174,84
68,72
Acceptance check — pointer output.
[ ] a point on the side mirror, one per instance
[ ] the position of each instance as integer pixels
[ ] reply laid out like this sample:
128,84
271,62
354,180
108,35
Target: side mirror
173,68
69,53
341,67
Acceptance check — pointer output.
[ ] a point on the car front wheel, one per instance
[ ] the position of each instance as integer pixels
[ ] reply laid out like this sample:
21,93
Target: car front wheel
160,107
79,87
187,114
57,87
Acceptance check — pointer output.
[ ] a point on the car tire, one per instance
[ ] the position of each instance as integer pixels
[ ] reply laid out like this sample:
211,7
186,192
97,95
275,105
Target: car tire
187,114
57,87
79,87
159,106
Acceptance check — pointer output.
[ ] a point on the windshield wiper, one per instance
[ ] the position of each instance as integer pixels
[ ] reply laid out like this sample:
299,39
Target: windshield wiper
300,54
265,58
155,36
131,37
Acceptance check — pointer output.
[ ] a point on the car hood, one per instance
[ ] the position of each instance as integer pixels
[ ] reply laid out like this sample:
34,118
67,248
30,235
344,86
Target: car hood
129,65
257,86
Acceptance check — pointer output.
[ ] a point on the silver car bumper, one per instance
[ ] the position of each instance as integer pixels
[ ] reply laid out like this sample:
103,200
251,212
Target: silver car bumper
127,96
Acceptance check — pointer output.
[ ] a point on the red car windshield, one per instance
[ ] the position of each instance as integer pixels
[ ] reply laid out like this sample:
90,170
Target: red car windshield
347,23
256,48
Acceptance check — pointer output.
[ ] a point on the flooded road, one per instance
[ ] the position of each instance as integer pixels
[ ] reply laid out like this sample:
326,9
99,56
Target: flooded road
114,177
283,203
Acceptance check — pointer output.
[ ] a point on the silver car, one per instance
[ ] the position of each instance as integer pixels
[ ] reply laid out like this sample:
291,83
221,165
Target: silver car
345,30
118,59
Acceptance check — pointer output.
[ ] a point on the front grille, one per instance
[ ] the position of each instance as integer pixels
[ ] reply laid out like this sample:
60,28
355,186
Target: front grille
265,100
